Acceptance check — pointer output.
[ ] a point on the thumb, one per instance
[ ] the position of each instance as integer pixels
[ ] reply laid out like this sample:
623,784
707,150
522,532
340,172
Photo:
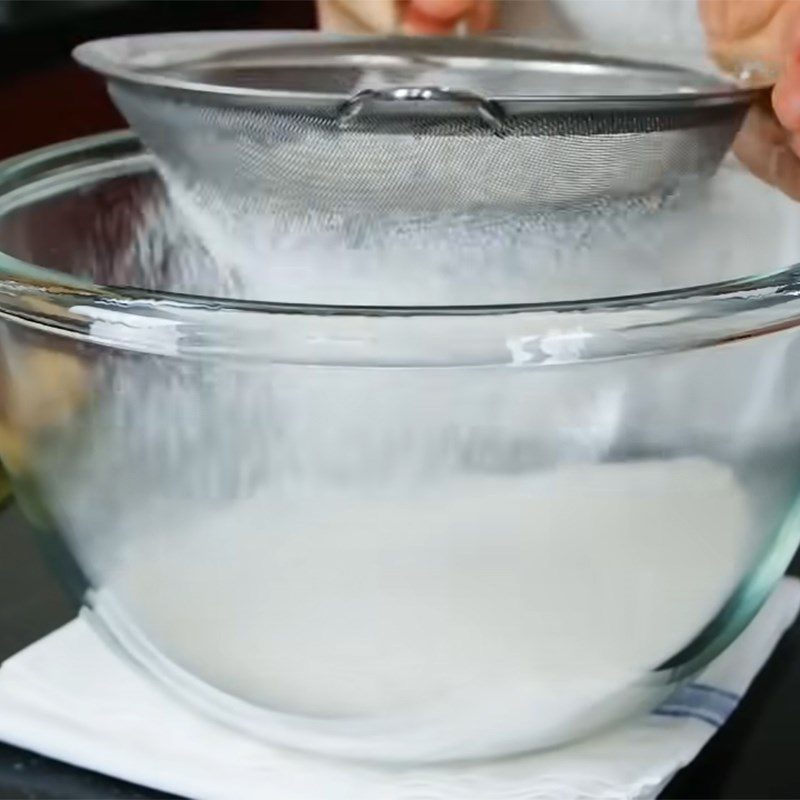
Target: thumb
786,94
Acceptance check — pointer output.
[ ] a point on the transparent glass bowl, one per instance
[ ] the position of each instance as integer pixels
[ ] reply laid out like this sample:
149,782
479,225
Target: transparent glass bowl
400,533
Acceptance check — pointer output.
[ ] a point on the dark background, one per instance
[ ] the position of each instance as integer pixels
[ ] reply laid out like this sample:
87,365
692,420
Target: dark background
44,98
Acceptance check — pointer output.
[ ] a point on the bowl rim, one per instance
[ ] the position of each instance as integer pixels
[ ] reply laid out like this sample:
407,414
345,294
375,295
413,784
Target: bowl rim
671,320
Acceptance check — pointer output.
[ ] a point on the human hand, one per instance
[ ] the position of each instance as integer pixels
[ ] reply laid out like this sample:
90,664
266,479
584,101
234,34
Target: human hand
416,17
742,32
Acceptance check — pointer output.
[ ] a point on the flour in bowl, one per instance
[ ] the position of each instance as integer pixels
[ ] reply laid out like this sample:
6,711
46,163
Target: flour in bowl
471,617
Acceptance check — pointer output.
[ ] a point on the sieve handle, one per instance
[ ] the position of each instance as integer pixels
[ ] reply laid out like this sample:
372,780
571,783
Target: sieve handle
489,111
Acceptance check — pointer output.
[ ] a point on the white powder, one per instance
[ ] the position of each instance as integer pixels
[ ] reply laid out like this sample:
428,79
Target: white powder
735,226
473,616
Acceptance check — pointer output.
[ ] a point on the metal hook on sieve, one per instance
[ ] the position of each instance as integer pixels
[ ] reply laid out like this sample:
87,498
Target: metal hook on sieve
489,111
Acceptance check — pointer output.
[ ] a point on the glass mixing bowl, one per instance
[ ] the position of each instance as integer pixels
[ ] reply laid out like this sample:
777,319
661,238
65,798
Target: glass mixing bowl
398,533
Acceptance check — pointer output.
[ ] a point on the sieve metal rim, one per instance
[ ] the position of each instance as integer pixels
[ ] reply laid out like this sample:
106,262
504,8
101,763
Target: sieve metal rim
119,59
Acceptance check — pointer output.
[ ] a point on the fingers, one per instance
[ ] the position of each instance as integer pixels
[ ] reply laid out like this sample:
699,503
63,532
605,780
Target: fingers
481,16
786,96
417,23
415,17
444,10
737,19
740,32
767,32
440,17
358,16
766,149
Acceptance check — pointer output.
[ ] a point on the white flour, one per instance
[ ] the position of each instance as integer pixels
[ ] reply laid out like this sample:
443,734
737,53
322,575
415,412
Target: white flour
736,226
475,616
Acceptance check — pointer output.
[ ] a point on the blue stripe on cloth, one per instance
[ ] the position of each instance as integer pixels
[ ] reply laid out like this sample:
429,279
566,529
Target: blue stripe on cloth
687,714
714,690
706,703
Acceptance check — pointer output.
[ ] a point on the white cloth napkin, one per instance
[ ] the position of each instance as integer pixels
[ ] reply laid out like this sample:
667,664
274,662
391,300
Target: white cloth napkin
72,698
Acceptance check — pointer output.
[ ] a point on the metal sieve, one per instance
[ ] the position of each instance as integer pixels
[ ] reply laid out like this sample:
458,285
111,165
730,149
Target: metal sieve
408,130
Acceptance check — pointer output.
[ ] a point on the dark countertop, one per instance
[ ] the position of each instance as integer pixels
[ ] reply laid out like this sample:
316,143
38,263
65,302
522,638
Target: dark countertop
754,755
32,604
